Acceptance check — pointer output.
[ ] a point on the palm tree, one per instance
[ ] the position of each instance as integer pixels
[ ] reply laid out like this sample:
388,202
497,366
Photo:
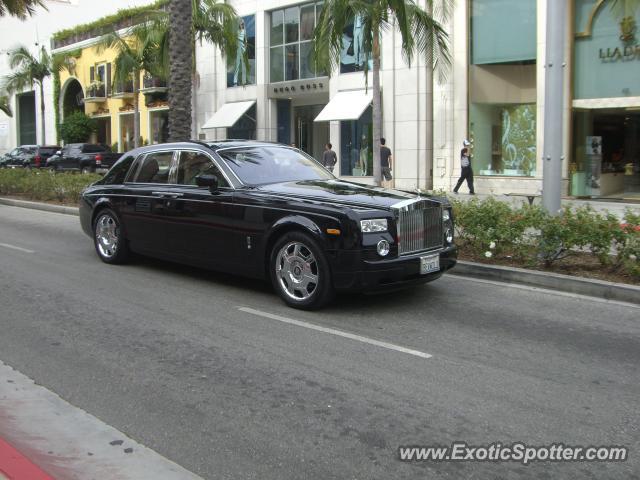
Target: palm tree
181,54
29,70
138,51
419,30
5,107
19,8
191,20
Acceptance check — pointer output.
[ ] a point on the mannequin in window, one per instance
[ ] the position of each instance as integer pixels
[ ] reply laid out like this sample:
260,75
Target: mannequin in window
240,52
364,154
358,38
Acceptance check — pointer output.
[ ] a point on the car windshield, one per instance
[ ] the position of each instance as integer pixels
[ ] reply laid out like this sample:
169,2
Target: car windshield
273,164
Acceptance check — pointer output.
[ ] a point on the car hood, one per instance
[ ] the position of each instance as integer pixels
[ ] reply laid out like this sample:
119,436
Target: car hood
341,192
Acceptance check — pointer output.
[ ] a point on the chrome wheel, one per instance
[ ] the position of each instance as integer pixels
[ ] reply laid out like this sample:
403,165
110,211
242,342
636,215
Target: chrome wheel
107,235
297,271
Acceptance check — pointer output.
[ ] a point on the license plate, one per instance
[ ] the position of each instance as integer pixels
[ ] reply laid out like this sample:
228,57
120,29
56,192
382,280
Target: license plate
429,264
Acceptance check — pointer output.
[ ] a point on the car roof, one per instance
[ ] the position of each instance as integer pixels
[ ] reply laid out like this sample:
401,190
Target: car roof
215,146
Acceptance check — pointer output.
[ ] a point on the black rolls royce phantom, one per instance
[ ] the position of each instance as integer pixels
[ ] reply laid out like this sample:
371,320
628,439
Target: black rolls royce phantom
268,211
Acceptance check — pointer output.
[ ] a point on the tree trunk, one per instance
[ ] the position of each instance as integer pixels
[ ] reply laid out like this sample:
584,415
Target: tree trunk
136,109
377,107
43,134
180,69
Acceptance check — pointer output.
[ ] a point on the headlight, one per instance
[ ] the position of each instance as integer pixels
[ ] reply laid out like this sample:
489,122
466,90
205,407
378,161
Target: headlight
375,225
446,216
448,235
383,248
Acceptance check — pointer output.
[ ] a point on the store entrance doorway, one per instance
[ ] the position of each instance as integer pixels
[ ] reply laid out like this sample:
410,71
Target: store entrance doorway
606,162
310,136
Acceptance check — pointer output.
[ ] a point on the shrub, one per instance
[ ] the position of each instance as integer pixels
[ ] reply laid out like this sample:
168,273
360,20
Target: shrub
77,128
44,185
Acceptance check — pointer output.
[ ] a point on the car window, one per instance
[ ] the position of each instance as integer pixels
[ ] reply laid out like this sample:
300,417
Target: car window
74,149
94,148
193,164
48,151
271,164
118,173
155,168
14,152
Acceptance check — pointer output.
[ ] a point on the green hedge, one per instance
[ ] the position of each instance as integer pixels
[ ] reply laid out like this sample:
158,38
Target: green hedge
44,185
531,236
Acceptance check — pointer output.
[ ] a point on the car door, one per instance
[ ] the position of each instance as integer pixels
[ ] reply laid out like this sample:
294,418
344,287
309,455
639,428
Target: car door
200,223
144,210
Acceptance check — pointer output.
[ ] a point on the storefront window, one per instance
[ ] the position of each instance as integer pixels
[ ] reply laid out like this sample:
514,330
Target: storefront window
356,146
291,44
240,72
503,31
352,58
245,127
504,139
159,126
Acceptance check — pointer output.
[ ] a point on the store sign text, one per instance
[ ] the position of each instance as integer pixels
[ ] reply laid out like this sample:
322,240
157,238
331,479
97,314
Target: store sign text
624,54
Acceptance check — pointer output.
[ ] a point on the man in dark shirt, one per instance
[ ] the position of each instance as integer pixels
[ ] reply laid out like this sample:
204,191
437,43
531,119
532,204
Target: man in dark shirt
386,160
466,172
329,158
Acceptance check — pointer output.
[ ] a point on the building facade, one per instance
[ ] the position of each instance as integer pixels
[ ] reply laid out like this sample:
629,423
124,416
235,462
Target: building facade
493,95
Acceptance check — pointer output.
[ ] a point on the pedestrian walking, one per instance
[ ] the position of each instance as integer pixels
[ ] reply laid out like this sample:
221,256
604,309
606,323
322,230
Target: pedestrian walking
329,157
386,160
467,171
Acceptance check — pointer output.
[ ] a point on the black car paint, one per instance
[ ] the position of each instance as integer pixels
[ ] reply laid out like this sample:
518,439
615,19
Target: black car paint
75,156
233,229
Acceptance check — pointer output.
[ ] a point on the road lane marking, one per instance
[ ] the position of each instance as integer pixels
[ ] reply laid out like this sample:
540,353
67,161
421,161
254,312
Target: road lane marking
339,333
13,247
67,442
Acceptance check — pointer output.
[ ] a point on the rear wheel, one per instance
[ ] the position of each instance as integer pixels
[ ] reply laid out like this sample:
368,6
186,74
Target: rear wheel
300,272
87,170
110,242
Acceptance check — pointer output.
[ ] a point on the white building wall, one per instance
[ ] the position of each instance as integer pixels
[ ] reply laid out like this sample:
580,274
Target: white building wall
37,31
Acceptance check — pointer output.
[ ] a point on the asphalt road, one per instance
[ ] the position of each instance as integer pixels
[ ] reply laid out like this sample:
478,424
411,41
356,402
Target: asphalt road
165,354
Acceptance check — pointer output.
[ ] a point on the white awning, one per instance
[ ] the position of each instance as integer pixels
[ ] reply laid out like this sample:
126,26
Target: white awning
346,106
228,115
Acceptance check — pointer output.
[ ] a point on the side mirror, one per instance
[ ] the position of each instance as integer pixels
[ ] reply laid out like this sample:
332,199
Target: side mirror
59,153
210,181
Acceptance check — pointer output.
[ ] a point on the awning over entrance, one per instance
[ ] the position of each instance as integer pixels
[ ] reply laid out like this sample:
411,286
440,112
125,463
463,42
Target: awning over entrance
346,106
228,115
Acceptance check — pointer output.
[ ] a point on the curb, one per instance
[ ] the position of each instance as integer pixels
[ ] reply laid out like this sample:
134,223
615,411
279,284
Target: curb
551,281
40,206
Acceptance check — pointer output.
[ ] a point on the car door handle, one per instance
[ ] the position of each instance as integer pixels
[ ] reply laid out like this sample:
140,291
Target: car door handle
167,194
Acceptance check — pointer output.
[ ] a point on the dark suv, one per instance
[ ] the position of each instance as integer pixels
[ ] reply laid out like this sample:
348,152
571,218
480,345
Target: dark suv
29,156
85,157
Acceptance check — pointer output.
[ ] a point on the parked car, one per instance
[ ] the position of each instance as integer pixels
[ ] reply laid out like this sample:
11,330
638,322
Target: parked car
84,157
267,211
18,156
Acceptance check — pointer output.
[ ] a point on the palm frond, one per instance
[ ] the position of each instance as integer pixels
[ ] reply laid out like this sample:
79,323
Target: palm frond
5,105
20,8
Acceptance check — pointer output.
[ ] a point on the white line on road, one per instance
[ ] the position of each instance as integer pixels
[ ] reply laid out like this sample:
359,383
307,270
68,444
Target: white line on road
13,247
339,333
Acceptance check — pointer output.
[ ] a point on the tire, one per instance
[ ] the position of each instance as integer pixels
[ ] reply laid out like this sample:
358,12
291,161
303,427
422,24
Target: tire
300,272
108,238
86,170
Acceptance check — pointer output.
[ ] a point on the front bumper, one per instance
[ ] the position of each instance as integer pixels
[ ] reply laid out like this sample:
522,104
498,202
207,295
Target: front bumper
372,276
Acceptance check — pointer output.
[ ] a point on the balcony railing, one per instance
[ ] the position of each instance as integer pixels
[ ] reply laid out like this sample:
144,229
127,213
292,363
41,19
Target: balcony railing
123,89
151,84
96,92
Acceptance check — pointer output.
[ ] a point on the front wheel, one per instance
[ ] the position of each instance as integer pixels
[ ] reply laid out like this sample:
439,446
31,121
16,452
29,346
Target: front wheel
110,242
300,272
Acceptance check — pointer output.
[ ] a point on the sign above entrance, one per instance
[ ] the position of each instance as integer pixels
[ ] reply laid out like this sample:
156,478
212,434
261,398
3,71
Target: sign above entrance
299,88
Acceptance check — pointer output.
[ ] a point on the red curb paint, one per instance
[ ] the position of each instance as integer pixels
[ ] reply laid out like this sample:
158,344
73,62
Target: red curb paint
16,466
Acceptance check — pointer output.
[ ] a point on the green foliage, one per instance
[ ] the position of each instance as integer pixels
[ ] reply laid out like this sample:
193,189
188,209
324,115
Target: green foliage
491,228
44,185
77,128
108,23
19,8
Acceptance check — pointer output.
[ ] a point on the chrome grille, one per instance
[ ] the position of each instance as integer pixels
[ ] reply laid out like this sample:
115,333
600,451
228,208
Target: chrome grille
419,226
